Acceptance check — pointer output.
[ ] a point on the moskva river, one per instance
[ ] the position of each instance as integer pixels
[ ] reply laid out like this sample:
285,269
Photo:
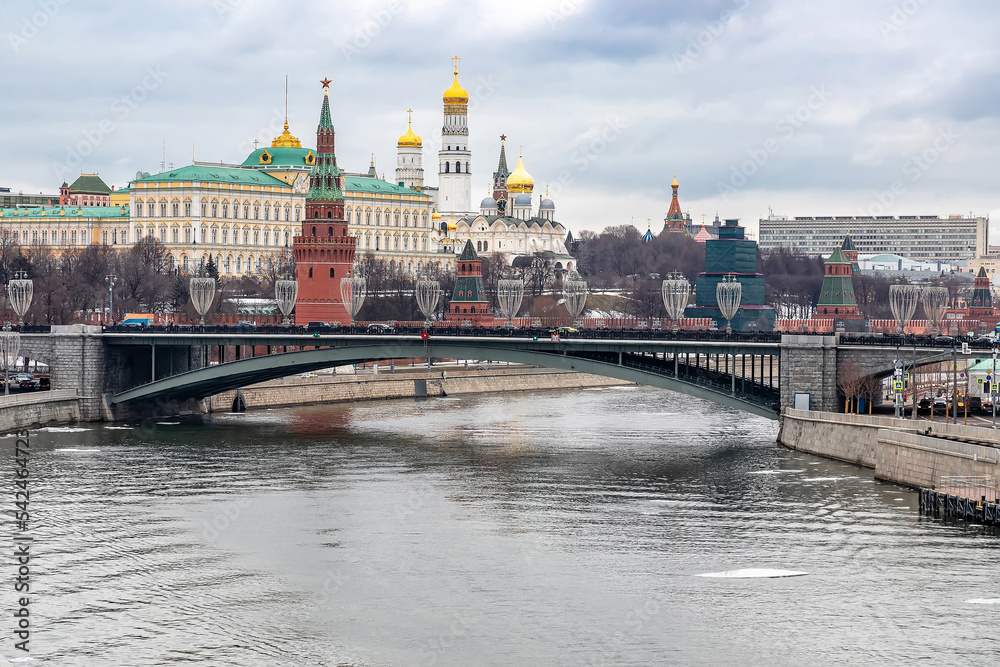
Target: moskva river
523,529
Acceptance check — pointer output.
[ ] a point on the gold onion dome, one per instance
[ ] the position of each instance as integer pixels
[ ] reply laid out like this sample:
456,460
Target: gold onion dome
286,140
456,94
410,139
452,226
520,180
675,184
435,216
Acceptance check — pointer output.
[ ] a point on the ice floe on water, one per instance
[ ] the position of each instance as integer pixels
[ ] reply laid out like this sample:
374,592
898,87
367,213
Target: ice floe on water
65,429
753,573
118,428
772,472
74,449
168,423
983,601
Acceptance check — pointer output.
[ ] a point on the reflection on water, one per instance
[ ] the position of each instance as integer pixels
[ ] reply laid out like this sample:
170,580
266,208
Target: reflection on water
521,529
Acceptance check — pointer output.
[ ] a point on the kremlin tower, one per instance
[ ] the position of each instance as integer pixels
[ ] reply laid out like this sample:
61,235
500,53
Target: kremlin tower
454,158
675,222
324,252
837,298
500,180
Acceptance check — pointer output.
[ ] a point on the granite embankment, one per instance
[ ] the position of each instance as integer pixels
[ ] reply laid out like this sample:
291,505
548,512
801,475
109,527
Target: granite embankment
38,408
410,384
907,452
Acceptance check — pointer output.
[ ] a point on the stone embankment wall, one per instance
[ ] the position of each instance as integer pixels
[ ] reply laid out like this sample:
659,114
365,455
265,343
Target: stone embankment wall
35,409
340,388
907,452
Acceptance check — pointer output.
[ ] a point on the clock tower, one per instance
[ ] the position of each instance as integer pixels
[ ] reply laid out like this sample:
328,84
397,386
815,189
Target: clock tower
324,251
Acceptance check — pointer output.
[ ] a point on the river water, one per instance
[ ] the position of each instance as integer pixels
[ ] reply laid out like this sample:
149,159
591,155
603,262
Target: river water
525,529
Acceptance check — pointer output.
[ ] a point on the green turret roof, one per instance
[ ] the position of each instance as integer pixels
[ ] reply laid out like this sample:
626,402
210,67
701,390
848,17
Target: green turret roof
284,156
468,253
90,184
837,257
325,121
213,174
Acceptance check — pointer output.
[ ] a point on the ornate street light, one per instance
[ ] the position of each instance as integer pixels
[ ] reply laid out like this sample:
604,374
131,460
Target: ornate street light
286,293
728,293
428,293
575,293
352,293
903,302
111,280
202,295
935,300
19,291
510,292
10,345
676,292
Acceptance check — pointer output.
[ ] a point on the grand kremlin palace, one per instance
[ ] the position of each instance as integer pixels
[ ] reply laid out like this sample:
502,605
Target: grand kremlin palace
245,215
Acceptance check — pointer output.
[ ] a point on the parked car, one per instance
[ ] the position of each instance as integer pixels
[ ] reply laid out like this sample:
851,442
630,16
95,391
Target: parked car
379,328
564,331
308,375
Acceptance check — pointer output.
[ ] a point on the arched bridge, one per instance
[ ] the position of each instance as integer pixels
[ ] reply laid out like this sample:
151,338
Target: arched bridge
736,373
759,373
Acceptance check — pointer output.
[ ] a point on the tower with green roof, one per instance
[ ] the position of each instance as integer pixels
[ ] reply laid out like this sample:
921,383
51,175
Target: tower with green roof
468,301
836,297
324,251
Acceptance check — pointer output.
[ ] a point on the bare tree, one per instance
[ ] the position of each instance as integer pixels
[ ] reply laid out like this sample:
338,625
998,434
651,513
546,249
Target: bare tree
849,381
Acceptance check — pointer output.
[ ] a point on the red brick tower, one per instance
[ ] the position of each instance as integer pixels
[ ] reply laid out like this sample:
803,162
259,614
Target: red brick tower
469,302
324,252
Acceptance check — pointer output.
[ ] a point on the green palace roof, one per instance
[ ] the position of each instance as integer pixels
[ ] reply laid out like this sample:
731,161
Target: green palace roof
212,174
376,186
280,157
62,212
90,184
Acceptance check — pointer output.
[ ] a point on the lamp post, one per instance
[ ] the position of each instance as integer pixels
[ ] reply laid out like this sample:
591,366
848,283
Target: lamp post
993,398
575,293
111,280
10,344
286,292
19,291
202,295
676,292
728,293
352,292
428,294
510,292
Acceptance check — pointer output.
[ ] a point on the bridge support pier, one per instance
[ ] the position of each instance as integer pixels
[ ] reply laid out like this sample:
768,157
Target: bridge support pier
809,365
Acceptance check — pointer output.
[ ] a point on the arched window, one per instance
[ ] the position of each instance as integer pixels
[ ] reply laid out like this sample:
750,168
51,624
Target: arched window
479,246
447,170
467,167
486,246
314,231
329,214
329,231
310,272
331,272
458,167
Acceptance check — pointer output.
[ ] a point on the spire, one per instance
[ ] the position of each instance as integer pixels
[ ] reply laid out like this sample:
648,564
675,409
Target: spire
325,121
371,167
502,165
675,205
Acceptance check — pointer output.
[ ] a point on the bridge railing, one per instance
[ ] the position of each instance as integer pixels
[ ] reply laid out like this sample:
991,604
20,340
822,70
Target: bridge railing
904,341
506,332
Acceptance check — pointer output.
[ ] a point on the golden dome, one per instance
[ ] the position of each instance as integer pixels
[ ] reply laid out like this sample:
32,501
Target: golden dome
520,180
675,184
286,140
435,216
456,94
410,139
452,226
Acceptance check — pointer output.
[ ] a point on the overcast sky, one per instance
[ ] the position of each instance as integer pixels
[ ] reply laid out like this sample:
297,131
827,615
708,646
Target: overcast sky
847,108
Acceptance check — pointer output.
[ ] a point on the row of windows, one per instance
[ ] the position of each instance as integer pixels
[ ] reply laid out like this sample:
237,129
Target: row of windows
267,237
215,207
390,216
226,266
382,242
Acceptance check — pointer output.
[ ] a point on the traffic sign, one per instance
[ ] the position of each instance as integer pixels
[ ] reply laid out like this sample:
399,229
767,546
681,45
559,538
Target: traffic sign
898,385
906,375
994,387
979,381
